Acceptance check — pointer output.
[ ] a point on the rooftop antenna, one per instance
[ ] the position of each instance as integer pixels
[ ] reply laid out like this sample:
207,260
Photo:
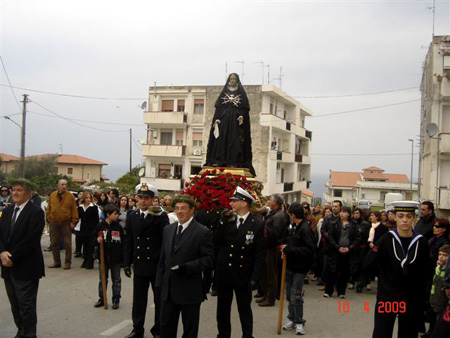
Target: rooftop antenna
154,90
60,149
280,78
262,67
242,75
268,74
433,8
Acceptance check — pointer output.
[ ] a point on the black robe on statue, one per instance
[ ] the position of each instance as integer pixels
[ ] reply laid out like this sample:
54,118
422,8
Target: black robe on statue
232,145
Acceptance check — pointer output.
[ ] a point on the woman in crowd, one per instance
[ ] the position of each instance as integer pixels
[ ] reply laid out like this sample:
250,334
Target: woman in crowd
123,211
441,230
131,203
391,223
363,247
89,218
377,230
318,265
103,200
344,239
384,218
309,216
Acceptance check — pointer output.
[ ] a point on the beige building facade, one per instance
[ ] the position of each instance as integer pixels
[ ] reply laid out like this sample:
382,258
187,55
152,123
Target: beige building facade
178,124
434,165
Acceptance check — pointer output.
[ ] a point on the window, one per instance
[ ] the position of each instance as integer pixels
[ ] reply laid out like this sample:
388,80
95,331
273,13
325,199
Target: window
199,105
164,170
271,108
69,171
337,193
166,138
88,176
197,138
180,105
167,105
178,171
179,137
195,169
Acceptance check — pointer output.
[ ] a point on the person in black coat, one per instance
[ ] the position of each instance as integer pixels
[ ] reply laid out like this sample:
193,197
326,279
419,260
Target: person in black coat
358,258
344,240
441,230
241,251
424,225
299,252
144,231
187,250
21,226
89,216
402,260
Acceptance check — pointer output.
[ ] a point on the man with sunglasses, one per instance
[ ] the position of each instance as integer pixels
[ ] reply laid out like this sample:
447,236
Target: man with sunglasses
5,198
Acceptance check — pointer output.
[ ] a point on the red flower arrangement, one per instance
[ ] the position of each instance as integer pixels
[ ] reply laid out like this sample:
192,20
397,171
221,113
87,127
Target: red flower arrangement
212,189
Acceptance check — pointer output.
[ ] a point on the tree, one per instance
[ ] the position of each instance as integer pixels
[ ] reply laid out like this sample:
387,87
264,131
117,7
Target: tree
39,166
47,183
131,178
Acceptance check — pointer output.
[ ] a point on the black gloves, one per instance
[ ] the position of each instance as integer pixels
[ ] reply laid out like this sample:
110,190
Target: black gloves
127,271
252,285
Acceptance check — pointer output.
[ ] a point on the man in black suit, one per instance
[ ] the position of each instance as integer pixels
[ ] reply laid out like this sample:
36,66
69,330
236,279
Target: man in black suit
241,246
187,250
142,249
21,227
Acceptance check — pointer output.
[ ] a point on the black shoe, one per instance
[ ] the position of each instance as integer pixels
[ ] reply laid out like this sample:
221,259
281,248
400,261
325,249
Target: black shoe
78,254
116,303
48,249
99,303
89,266
213,293
83,265
134,334
258,295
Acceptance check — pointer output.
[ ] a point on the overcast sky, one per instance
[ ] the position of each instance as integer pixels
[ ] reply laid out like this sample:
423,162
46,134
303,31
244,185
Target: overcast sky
113,50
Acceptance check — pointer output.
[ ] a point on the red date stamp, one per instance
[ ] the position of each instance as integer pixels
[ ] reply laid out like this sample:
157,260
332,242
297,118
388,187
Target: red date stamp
391,307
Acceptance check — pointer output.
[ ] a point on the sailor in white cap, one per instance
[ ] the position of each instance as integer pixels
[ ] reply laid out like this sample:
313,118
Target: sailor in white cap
142,250
241,250
402,260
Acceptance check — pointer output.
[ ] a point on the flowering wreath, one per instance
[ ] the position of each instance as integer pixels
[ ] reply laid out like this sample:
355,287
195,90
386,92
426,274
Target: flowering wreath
212,189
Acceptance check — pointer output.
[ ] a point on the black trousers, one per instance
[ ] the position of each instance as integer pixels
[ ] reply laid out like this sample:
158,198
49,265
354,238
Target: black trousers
384,324
88,249
340,276
22,297
141,285
170,313
224,300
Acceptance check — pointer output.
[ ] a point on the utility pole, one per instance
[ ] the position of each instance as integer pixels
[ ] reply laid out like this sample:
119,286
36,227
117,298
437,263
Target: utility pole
22,138
131,137
412,166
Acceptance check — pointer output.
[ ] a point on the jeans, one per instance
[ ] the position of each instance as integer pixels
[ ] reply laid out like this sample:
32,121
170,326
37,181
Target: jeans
294,295
116,280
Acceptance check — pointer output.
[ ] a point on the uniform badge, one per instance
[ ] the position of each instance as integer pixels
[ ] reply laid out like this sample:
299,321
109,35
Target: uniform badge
249,237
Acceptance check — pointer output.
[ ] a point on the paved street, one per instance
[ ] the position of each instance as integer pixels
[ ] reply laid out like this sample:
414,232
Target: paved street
66,298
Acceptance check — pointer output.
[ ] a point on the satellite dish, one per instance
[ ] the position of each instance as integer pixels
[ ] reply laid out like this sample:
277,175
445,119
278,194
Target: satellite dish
142,141
141,172
144,105
432,129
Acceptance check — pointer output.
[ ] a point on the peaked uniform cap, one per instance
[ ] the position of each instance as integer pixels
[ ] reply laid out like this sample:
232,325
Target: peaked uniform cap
242,195
410,206
144,189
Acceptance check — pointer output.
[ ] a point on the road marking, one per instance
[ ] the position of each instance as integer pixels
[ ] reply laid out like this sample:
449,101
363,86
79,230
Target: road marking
116,328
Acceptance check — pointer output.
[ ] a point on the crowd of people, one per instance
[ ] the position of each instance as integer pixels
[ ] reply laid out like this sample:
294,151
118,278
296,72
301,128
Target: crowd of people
162,244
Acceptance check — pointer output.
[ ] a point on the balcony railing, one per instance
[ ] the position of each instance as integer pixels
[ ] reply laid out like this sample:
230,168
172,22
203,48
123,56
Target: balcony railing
174,118
161,150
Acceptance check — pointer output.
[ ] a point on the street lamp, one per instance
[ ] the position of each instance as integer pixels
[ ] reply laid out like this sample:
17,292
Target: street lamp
22,143
412,166
8,118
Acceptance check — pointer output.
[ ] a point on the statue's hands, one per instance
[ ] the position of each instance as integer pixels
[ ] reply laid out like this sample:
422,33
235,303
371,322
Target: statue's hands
240,120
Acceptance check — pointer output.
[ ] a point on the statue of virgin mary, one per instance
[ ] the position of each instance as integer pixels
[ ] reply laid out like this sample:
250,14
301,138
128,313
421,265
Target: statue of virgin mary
230,142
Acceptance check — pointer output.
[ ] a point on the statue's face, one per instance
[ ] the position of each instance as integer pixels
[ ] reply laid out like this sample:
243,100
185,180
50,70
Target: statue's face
233,80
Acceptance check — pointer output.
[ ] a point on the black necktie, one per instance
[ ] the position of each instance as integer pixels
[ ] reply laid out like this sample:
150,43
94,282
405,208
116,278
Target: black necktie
241,221
13,219
180,229
142,216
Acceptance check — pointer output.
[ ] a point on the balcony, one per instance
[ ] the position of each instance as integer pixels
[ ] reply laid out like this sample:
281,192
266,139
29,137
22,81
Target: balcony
168,119
279,156
308,134
303,159
165,184
288,187
444,144
444,199
158,150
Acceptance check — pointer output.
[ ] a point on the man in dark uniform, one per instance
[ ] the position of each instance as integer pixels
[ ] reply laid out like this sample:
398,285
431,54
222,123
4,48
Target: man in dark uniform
21,227
241,246
424,225
402,259
142,249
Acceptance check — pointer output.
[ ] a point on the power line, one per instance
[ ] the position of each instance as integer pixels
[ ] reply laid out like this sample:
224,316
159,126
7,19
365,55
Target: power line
89,121
9,83
79,124
351,95
79,96
362,109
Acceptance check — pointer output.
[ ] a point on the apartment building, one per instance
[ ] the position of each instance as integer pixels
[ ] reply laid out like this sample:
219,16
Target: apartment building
178,124
435,126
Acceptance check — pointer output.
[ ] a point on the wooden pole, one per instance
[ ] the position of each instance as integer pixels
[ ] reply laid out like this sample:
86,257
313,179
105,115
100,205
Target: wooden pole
280,306
102,268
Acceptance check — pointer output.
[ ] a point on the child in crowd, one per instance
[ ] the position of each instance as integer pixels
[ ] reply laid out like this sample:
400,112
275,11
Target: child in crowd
111,234
438,297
